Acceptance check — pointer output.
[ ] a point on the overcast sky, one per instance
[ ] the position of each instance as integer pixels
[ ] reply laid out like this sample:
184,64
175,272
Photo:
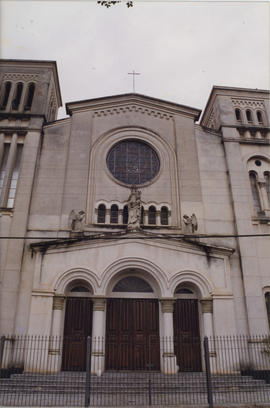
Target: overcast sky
181,49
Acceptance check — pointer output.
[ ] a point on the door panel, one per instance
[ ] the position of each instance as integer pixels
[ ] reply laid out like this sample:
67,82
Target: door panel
187,342
78,325
132,334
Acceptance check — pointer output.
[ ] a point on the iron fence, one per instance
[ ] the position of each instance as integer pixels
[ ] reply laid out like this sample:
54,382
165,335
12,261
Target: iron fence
80,371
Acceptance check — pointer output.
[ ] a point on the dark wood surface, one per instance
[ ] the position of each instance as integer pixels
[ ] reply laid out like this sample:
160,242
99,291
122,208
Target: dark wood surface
132,334
187,335
78,325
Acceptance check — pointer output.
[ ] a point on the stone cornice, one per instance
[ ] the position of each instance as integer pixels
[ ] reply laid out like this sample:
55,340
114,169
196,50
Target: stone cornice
125,103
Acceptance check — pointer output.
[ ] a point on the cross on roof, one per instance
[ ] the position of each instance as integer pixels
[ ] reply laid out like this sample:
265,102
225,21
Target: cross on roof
133,73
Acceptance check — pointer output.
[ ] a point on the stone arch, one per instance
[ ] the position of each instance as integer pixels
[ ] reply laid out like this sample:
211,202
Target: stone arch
81,275
202,285
142,268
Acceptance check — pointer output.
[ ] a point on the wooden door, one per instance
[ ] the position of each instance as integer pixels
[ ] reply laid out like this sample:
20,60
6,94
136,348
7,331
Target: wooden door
187,335
132,334
78,325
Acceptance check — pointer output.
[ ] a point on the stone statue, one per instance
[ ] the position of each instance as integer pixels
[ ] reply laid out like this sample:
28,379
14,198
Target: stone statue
76,220
191,223
134,209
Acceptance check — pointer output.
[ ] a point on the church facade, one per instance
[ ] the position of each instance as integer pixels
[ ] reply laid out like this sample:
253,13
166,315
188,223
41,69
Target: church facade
133,219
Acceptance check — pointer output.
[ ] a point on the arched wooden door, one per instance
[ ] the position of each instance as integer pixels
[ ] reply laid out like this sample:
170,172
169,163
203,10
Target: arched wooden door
187,343
78,325
132,334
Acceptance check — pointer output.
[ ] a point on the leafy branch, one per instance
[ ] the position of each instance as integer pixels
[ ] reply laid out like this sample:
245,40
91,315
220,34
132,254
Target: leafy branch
113,2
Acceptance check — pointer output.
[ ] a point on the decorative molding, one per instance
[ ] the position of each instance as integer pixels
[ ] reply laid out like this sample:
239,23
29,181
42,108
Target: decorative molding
207,305
25,77
133,108
99,304
167,305
58,302
247,103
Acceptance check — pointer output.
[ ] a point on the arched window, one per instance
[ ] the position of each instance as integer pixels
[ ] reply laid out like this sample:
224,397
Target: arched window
114,214
249,116
30,96
255,191
79,288
152,215
164,216
18,94
142,214
238,115
7,88
101,214
267,185
132,284
125,214
267,303
259,117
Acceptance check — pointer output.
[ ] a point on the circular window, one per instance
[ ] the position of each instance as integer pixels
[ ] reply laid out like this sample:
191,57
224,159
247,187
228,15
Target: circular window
133,162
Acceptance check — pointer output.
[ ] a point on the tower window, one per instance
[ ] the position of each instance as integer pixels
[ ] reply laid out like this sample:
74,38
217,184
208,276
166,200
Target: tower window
142,214
238,115
267,303
249,116
164,216
3,166
101,214
267,185
14,177
114,214
30,96
6,95
152,215
255,191
259,117
18,95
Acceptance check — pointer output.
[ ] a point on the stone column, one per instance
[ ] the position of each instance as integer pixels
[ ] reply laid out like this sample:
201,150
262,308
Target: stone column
98,336
168,363
107,216
207,311
56,341
158,222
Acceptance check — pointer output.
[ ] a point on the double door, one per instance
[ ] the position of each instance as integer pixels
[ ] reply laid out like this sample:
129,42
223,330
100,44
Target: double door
132,334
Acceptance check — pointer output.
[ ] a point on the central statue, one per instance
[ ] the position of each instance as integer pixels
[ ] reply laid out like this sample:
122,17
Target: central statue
134,209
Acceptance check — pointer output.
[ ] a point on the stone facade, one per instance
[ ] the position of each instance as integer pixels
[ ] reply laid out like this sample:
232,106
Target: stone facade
216,173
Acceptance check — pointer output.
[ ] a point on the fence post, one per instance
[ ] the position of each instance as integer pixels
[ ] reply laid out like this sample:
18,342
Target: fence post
88,372
208,373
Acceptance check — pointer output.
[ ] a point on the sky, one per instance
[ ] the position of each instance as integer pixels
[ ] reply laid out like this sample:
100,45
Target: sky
180,48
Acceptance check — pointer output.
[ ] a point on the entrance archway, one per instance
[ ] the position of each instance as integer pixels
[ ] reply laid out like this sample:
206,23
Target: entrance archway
187,342
77,326
132,326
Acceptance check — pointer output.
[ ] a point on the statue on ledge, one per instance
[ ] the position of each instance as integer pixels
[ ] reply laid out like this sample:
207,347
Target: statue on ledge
76,220
134,209
191,223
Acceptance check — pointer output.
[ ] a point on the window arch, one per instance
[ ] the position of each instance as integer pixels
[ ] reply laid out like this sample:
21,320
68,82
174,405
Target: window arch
238,115
132,284
114,214
164,216
152,215
125,214
249,116
255,191
101,214
30,96
18,95
7,88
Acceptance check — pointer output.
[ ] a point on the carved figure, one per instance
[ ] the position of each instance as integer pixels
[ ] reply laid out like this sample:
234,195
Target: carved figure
191,223
134,209
76,220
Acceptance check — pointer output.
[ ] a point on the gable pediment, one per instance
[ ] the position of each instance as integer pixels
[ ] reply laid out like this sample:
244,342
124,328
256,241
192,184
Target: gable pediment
129,103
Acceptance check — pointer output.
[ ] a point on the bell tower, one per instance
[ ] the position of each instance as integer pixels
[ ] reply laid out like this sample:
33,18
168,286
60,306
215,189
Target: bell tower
29,98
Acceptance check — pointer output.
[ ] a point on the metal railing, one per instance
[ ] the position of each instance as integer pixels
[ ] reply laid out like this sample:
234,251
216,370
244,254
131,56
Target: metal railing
130,371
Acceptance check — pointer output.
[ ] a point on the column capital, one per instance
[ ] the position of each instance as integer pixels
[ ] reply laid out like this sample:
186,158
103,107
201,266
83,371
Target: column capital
207,305
167,305
58,302
99,303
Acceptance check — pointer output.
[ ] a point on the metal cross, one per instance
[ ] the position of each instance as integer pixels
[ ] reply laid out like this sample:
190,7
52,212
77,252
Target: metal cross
133,73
